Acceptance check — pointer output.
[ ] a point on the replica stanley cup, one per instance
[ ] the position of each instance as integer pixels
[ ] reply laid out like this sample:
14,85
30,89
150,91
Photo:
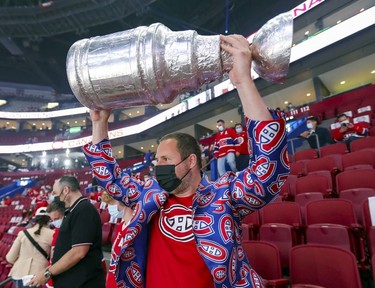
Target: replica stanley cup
152,65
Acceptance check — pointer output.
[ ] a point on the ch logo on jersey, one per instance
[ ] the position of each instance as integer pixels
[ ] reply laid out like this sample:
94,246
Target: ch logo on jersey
125,180
213,251
276,186
101,171
233,266
219,273
160,198
257,282
258,188
113,189
134,275
269,135
128,254
263,168
107,153
240,140
221,202
176,223
284,157
226,228
252,200
223,181
133,192
206,199
202,225
92,150
249,182
240,253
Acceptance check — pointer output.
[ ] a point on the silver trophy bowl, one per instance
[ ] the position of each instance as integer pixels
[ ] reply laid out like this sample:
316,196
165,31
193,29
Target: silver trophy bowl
152,65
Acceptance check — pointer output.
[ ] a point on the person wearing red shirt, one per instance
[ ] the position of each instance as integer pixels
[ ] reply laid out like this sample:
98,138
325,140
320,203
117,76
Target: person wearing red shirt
348,131
225,148
242,153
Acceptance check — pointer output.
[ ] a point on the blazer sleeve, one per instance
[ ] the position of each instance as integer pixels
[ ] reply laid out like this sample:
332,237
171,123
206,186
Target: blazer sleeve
268,168
14,251
120,185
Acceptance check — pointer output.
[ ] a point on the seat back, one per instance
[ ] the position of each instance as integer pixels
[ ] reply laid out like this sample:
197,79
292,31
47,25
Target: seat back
305,154
329,234
313,264
358,196
355,179
314,183
264,257
326,163
333,211
363,143
337,148
358,158
281,212
304,198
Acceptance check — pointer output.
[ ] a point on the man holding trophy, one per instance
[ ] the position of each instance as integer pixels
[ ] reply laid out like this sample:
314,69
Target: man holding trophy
185,231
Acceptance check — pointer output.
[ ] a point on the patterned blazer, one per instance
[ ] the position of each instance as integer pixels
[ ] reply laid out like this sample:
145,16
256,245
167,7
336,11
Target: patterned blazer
218,208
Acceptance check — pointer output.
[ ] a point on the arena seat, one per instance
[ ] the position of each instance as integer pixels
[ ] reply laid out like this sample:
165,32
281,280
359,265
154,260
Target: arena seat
264,257
358,160
367,142
306,154
352,179
337,148
315,183
312,264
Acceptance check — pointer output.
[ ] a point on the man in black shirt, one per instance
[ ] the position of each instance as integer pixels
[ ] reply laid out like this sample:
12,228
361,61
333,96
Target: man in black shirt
77,257
314,132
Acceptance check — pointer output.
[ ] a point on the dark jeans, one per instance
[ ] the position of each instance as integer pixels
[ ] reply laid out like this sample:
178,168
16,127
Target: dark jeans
242,162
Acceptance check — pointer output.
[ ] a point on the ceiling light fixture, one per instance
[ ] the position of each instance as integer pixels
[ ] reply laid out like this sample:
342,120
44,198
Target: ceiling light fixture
373,72
342,82
308,94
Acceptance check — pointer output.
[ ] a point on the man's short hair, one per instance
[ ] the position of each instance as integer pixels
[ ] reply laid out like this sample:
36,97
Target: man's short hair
70,181
56,206
313,118
186,145
220,120
341,115
238,124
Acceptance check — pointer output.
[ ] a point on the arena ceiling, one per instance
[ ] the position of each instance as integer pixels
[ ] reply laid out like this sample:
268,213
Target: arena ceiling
35,35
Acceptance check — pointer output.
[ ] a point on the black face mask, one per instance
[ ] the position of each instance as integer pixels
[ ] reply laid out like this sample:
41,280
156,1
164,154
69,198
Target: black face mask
166,176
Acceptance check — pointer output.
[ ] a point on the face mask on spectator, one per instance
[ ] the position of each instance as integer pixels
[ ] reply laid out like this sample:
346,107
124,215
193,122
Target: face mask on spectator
112,209
57,223
345,122
239,129
309,125
220,128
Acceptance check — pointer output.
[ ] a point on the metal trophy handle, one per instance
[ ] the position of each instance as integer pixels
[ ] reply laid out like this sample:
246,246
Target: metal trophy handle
152,65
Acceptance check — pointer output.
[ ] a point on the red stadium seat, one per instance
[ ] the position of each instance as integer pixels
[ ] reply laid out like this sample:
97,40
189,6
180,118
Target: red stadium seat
304,198
358,196
337,148
313,264
315,183
306,154
329,234
264,257
363,143
326,163
105,216
358,159
352,179
282,226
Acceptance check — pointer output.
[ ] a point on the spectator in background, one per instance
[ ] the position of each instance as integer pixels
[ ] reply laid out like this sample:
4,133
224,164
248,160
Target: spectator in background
242,153
315,132
225,148
77,256
205,156
148,157
348,131
26,259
